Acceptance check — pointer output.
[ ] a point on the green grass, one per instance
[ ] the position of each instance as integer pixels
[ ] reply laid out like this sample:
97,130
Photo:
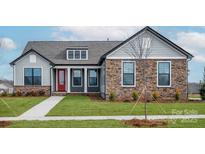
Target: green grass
17,105
84,106
194,123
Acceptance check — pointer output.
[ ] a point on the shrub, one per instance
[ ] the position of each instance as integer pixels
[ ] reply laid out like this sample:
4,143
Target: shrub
28,93
135,96
177,94
13,94
33,93
155,95
202,91
4,94
18,93
112,96
41,93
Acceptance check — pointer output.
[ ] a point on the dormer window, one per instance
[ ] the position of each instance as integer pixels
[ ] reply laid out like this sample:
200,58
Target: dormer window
70,54
77,54
83,54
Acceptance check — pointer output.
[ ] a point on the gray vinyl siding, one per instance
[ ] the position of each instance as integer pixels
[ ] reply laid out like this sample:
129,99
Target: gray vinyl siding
159,49
24,62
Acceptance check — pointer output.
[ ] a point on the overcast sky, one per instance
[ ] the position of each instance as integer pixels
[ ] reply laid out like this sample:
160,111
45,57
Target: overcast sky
14,39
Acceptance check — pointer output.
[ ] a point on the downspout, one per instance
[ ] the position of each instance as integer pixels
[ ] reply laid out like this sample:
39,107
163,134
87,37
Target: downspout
13,77
188,60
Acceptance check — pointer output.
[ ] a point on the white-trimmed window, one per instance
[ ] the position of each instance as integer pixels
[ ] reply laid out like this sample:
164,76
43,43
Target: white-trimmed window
92,77
77,54
77,78
164,73
32,76
128,73
70,54
83,54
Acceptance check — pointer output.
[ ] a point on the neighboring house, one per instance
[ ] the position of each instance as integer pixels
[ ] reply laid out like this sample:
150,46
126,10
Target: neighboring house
194,88
6,87
60,67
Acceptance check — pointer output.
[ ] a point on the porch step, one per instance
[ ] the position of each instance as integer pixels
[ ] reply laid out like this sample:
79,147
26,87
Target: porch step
59,93
85,94
74,94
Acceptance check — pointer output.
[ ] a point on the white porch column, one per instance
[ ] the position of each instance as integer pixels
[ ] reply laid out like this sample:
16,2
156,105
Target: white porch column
14,74
52,87
85,80
68,80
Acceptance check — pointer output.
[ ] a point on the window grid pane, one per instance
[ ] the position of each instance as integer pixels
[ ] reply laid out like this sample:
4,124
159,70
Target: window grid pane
164,74
128,67
77,73
36,72
163,67
83,54
28,71
77,54
28,80
70,54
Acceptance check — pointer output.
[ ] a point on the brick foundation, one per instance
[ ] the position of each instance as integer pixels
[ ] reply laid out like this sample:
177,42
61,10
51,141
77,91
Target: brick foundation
25,89
178,80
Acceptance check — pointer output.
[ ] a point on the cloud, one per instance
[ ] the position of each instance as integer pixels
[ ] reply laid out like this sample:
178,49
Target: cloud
94,33
193,42
7,43
199,58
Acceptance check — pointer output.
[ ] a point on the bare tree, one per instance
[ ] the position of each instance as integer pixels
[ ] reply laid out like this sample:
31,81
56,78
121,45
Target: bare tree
140,49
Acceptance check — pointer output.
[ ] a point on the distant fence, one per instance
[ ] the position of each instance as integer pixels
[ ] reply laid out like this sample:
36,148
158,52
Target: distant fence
193,88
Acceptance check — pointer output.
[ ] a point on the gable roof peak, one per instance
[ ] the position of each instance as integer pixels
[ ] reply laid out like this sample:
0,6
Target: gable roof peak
155,33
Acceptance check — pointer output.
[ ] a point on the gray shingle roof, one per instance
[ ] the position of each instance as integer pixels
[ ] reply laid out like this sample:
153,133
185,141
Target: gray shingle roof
55,51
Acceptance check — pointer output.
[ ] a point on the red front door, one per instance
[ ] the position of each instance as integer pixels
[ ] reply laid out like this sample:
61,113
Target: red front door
61,80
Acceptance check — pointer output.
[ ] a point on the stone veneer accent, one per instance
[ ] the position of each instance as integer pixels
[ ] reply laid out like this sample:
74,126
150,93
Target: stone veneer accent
24,89
178,79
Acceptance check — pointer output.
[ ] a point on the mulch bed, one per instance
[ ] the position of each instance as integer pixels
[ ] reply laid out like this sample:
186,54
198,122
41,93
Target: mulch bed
145,123
5,123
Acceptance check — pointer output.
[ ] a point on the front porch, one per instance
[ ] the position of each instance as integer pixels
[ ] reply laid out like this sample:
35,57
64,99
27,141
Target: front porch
75,79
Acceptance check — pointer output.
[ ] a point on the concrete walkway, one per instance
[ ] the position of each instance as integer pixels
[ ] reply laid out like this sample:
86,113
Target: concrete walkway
43,118
42,108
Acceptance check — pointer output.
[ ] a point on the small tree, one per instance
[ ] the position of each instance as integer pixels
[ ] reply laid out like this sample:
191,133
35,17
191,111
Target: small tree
140,49
202,89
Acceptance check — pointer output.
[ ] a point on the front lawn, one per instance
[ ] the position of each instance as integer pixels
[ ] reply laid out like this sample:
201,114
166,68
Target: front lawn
84,106
15,106
180,123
